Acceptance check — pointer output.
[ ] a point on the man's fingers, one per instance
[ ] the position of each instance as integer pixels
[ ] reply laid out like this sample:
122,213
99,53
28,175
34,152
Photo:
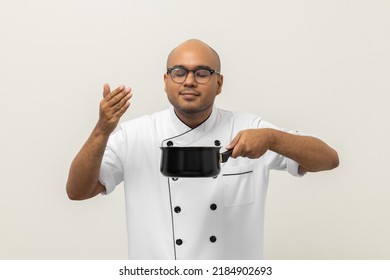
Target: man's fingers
250,143
235,141
118,90
233,144
113,105
122,102
108,94
114,100
122,110
117,95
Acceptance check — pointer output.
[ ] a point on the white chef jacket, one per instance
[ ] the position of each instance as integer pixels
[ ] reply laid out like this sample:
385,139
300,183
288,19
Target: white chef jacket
190,218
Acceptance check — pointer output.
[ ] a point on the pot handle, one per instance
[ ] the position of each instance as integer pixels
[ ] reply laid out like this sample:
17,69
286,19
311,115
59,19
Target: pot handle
225,155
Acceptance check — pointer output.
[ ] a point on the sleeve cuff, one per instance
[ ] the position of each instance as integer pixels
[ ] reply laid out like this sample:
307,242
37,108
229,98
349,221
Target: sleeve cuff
292,168
108,181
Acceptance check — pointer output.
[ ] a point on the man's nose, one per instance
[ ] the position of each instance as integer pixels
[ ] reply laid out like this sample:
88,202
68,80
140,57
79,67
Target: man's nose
190,80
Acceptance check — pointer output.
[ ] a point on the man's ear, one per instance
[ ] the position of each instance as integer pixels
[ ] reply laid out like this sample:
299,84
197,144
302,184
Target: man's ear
165,81
219,84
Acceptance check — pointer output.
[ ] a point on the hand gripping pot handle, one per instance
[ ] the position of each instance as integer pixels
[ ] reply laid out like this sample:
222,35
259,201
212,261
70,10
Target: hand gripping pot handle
225,155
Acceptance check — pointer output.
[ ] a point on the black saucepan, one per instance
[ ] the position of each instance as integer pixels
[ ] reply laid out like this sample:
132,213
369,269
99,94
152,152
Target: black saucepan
192,161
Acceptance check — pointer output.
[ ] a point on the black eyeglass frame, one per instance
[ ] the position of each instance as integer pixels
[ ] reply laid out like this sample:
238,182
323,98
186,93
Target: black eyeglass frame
212,71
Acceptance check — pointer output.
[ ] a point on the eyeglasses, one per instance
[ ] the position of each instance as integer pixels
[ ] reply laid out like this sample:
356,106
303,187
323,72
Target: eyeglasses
202,75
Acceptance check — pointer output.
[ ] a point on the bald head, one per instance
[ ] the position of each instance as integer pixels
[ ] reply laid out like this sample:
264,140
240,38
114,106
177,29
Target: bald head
195,46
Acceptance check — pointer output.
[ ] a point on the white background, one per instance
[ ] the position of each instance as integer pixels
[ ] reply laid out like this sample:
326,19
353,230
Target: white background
321,67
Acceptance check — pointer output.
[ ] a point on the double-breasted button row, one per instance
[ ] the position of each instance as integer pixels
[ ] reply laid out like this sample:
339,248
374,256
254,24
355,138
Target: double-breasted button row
177,209
212,239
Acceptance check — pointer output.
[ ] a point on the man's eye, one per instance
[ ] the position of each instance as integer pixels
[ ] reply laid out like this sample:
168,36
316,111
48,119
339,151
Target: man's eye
202,73
179,72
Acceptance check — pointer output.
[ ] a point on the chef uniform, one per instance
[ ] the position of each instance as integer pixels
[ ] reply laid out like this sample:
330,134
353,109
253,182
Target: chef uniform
190,218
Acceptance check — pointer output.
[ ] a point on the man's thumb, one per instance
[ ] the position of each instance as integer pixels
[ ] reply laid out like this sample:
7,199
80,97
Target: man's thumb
106,89
234,142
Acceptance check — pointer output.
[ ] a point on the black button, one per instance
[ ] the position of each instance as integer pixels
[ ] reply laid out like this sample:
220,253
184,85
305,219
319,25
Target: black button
213,239
177,209
213,206
169,143
175,179
217,143
179,242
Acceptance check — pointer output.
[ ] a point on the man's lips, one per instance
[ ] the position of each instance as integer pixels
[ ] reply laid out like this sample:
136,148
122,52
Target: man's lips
189,93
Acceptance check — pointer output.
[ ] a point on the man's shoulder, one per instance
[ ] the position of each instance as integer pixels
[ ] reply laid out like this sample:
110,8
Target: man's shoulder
247,120
239,116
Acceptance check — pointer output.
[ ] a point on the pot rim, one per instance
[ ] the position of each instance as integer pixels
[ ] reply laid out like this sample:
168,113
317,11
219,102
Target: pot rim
191,148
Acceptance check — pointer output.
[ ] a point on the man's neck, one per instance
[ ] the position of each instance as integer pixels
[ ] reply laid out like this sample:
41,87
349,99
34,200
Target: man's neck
193,120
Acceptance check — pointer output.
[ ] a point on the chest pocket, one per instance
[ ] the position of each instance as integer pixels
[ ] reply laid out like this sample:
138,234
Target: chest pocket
238,185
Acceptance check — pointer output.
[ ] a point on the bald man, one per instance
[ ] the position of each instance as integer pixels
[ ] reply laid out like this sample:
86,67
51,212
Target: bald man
219,217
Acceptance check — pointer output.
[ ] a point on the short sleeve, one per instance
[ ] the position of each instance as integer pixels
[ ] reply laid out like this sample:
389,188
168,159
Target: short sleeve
111,169
280,162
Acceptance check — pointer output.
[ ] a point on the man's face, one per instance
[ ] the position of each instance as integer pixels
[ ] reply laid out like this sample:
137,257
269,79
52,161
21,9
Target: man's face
190,97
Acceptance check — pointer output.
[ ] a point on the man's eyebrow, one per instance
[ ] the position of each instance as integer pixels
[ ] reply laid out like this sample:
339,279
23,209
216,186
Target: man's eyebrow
196,67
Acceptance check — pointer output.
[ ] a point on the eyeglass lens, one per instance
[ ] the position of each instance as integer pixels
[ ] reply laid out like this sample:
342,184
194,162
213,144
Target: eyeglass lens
179,75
